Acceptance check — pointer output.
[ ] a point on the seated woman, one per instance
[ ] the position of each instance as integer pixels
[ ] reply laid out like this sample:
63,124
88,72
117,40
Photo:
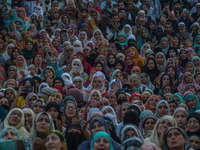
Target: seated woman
15,118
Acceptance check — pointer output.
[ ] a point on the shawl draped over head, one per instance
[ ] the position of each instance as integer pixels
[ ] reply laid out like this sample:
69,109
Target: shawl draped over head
189,96
20,127
128,68
138,60
148,101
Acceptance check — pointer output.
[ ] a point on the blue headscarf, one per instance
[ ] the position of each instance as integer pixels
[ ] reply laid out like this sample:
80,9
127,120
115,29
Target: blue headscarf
158,104
9,127
148,83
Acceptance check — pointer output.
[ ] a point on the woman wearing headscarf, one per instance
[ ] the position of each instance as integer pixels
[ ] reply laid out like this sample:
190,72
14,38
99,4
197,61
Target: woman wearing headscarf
138,60
43,123
192,102
151,103
103,60
21,65
98,82
145,79
151,69
29,116
183,57
162,124
15,118
29,100
193,123
129,63
144,47
162,108
7,54
179,138
187,78
47,42
164,44
91,73
134,79
128,31
82,36
29,51
181,115
86,65
13,29
57,44
160,61
144,34
12,16
53,62
39,63
93,129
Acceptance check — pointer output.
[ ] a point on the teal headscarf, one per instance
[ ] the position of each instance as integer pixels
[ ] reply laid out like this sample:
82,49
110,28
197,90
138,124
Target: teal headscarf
142,41
113,75
39,25
9,127
125,43
195,41
101,134
29,54
11,18
164,49
180,98
197,102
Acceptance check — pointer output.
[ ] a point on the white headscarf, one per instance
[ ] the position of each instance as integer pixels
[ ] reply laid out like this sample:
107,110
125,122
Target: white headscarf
66,78
5,54
78,49
129,34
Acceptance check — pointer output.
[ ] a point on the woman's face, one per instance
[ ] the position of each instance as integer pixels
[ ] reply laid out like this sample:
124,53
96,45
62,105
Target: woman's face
176,40
81,112
18,25
172,107
124,110
56,42
111,99
16,53
10,134
63,38
56,97
175,139
4,101
11,83
162,109
82,36
167,89
129,61
189,68
111,59
11,26
171,71
58,83
194,142
103,103
95,96
46,42
166,80
35,23
97,35
134,81
28,119
193,125
11,72
196,62
149,124
183,54
96,83
163,126
122,38
119,66
96,127
151,64
160,59
53,112
48,74
188,78
43,124
153,102
10,50
172,53
144,79
130,133
108,110
31,100
180,118
15,118
144,34
164,43
38,58
32,69
70,110
132,52
38,107
53,142
191,103
101,143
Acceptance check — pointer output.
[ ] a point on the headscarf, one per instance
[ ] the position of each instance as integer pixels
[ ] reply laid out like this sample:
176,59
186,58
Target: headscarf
197,102
158,104
28,54
23,42
164,49
148,101
187,144
142,41
180,98
29,111
34,131
154,136
5,54
66,78
77,68
161,67
20,127
12,17
40,86
86,65
182,85
24,66
85,40
129,34
101,134
9,127
142,52
28,97
128,68
114,117
125,43
148,83
133,143
138,60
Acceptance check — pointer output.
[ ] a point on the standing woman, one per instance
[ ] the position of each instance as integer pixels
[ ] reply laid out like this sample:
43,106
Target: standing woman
21,65
42,124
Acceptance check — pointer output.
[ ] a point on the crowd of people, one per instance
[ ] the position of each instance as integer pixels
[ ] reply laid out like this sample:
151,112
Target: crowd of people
100,74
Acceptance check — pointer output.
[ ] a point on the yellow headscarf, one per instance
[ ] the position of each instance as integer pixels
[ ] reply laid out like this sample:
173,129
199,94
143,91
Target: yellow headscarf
23,42
138,60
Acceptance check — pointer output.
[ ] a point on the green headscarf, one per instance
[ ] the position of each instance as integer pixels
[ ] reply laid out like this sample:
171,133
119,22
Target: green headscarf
39,25
28,54
180,98
142,41
125,43
197,102
101,134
